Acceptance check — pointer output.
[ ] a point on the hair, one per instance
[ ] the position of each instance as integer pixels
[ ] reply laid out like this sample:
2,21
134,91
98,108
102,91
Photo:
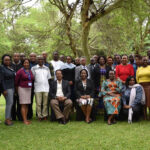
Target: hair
138,56
58,70
110,57
3,57
129,79
69,56
25,60
85,71
102,57
124,55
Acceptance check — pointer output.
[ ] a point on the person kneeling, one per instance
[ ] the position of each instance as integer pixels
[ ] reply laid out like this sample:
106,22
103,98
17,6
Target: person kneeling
60,93
85,92
133,98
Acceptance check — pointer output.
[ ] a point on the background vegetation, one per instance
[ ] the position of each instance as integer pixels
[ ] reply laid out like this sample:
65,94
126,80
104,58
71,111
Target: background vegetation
75,27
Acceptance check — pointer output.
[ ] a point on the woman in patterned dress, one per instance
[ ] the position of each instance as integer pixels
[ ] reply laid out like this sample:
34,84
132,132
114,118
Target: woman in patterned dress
111,91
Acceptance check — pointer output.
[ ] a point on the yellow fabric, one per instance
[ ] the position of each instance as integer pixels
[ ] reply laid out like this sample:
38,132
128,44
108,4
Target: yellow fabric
143,74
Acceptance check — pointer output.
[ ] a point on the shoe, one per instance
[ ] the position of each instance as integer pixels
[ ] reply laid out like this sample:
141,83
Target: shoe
39,119
45,118
8,123
62,121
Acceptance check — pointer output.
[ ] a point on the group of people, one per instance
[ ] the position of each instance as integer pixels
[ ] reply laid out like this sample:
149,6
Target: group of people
120,84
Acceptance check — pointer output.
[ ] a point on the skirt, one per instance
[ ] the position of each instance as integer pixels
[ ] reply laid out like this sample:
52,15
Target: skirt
24,95
146,87
83,102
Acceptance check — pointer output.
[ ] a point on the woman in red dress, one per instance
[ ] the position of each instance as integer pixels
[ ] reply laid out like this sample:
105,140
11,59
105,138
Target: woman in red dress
124,70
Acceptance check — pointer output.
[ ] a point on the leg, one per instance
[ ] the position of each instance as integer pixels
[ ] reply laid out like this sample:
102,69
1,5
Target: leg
19,116
88,113
38,97
67,108
13,110
136,112
9,103
55,106
24,113
83,107
109,119
45,102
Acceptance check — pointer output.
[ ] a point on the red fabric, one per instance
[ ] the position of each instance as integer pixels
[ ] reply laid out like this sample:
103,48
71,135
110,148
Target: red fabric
124,71
22,79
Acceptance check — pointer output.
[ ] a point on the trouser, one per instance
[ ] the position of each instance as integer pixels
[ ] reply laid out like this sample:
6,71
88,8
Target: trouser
9,102
16,108
30,109
41,100
67,108
137,109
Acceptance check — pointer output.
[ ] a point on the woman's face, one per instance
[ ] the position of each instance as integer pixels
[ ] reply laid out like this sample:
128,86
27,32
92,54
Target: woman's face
83,74
7,61
111,75
26,64
124,60
102,61
145,61
132,82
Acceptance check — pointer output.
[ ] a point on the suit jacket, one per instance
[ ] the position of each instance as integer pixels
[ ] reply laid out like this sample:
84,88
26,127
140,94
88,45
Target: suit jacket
80,91
77,72
2,85
97,75
65,88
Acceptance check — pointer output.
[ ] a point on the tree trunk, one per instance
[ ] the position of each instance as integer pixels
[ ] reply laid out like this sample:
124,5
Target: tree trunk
84,40
71,40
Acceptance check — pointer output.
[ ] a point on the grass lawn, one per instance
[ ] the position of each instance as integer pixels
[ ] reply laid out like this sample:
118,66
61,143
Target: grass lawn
73,136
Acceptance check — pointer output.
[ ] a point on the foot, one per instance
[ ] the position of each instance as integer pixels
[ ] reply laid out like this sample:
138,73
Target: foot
109,122
62,121
114,121
39,119
8,122
45,118
26,122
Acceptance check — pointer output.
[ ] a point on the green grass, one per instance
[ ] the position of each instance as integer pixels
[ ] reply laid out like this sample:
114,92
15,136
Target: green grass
73,136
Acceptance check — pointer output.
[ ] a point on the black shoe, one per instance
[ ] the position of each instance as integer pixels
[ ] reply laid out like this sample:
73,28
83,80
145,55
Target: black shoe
62,121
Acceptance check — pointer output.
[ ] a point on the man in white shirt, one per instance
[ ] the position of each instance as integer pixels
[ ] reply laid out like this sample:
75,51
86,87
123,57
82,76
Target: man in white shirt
56,63
60,93
42,76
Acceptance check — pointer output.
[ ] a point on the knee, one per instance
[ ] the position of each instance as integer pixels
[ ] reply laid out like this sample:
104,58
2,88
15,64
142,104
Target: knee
69,102
53,102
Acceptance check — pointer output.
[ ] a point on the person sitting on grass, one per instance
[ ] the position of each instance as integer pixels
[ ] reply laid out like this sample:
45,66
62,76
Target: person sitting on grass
111,91
84,89
60,93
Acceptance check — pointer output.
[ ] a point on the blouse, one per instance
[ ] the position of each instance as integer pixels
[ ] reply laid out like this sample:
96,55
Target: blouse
124,71
143,74
24,79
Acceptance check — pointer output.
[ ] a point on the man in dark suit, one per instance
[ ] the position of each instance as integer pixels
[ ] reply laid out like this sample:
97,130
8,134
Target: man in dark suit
60,93
2,86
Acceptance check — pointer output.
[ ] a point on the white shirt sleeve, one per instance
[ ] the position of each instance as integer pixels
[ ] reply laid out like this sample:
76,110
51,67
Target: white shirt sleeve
49,74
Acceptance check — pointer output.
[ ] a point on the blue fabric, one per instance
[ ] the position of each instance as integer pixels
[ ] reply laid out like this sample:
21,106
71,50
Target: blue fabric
126,96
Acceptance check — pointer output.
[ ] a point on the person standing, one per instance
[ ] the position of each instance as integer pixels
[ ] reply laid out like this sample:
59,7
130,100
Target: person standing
42,76
60,93
56,63
9,82
143,78
124,70
23,83
16,108
82,66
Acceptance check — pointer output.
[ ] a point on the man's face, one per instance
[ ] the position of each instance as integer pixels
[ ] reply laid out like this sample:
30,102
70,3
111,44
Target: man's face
33,57
83,61
44,54
55,56
16,57
40,61
59,75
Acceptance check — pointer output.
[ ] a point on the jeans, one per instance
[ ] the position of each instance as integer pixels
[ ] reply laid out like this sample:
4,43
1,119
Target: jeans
9,102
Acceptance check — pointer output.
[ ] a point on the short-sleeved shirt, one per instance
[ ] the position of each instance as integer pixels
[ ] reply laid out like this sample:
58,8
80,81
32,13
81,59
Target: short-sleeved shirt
41,77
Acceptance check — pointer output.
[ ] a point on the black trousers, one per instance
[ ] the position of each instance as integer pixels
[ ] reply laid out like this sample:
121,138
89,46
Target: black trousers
137,112
16,109
30,106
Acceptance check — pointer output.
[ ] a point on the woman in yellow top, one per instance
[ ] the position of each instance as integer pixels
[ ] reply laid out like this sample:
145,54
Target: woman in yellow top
143,78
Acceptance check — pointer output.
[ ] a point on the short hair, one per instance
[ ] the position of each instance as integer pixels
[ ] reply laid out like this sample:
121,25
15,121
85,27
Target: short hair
3,57
129,79
138,56
85,71
58,70
110,57
25,60
125,55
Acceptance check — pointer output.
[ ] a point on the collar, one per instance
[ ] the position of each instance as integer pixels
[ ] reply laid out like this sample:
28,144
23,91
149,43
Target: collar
16,63
38,66
59,82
